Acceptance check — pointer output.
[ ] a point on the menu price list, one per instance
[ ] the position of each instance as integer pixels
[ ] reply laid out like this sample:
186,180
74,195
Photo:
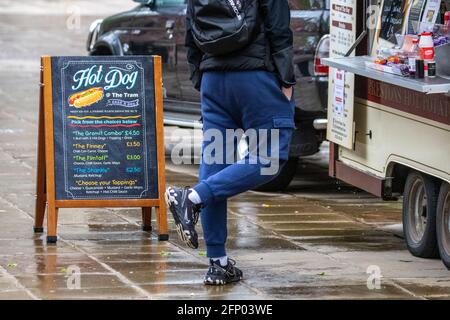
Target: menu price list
105,116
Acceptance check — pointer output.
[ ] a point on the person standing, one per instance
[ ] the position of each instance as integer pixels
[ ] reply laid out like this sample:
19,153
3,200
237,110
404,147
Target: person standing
240,54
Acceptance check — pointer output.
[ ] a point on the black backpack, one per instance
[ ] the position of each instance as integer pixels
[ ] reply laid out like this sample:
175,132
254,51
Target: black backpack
223,26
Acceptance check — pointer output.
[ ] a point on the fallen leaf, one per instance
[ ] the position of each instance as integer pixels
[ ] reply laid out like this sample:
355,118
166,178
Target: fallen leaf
165,254
202,254
322,274
12,265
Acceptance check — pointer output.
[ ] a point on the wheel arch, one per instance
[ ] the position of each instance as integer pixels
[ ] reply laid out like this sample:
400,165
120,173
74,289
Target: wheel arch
108,42
397,171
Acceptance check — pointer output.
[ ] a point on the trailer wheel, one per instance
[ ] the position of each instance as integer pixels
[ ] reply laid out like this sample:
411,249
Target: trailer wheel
443,223
419,215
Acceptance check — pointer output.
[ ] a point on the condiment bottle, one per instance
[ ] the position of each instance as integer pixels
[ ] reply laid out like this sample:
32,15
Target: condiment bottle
426,46
412,57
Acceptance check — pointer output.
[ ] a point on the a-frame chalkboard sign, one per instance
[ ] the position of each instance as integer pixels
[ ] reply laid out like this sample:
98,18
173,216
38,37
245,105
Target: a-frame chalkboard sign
101,138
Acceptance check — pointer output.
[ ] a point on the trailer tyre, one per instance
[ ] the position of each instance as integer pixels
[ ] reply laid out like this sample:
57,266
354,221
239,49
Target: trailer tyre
419,215
443,223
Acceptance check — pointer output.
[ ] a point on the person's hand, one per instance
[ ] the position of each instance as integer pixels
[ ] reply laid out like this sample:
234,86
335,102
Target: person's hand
287,92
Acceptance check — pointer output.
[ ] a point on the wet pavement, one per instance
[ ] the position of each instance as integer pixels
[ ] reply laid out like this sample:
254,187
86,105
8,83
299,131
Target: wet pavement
316,241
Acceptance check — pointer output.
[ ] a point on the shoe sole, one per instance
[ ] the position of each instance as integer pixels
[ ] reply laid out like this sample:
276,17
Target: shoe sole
220,283
179,227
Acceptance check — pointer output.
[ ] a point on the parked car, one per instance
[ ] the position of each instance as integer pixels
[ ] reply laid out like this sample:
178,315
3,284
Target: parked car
157,27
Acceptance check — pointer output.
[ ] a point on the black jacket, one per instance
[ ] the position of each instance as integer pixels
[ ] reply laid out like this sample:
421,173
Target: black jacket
270,50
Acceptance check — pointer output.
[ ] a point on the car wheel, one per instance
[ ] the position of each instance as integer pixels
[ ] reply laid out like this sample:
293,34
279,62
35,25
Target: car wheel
443,223
419,215
101,51
283,179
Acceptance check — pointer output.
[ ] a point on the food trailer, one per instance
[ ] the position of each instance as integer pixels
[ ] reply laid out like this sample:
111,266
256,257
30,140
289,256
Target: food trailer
390,128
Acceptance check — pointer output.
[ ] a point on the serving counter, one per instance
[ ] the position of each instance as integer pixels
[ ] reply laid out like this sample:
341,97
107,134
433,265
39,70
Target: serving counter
357,65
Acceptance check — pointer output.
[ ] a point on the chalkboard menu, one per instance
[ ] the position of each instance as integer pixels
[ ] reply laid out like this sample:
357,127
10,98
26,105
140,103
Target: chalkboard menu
101,138
104,128
392,17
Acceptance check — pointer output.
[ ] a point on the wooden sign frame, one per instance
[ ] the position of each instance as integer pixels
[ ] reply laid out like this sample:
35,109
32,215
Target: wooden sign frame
45,182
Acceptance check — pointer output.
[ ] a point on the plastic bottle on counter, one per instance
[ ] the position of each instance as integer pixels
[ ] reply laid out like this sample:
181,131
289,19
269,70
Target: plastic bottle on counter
426,49
412,57
426,46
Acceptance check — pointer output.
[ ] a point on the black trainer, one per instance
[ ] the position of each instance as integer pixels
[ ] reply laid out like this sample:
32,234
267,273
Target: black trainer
218,275
185,213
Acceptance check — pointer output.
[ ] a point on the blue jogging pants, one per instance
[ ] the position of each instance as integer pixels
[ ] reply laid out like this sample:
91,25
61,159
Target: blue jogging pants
250,101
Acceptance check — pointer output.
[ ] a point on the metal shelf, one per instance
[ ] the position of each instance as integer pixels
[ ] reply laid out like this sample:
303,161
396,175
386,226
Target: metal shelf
357,66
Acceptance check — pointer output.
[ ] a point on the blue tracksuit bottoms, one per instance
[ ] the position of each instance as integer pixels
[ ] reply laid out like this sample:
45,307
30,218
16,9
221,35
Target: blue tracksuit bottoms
232,103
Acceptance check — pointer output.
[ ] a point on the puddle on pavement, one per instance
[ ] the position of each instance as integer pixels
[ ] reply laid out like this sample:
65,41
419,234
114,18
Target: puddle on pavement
161,267
249,242
88,216
334,245
161,257
15,295
196,291
124,292
311,226
271,209
193,277
298,217
434,288
326,232
127,247
55,264
346,292
47,282
107,236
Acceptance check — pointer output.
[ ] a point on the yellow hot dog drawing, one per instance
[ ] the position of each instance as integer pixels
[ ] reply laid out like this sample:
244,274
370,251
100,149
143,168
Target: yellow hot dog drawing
86,98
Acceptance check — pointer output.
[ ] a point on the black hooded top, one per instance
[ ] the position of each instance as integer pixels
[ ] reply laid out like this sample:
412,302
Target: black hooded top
271,48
